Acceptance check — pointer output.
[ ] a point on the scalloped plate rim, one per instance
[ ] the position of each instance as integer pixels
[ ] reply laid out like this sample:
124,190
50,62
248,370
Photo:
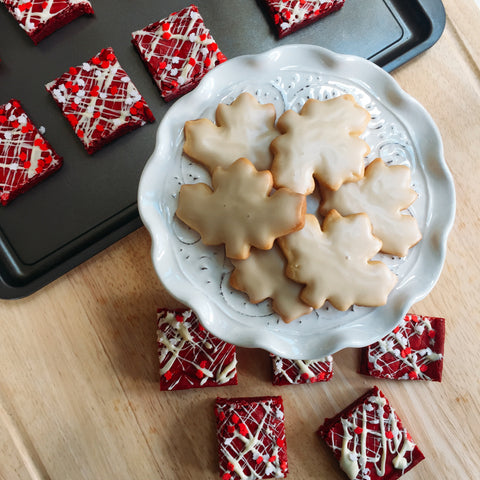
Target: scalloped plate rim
391,94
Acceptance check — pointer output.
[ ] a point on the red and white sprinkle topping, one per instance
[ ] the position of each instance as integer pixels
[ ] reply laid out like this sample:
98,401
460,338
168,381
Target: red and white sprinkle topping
25,156
412,351
289,15
293,372
178,51
369,440
251,438
99,100
190,356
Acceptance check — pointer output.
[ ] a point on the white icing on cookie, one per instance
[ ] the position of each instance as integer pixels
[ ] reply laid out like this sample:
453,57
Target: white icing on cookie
382,194
262,276
321,142
334,262
245,128
240,212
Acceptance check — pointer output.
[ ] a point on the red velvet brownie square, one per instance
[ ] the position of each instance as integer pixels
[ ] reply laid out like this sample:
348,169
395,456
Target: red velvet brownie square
40,18
369,440
190,356
293,372
413,351
26,158
99,100
291,15
251,438
178,51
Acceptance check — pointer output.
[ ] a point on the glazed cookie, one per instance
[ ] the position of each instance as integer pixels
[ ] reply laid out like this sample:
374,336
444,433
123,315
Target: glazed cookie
245,128
382,194
239,211
334,262
262,276
321,142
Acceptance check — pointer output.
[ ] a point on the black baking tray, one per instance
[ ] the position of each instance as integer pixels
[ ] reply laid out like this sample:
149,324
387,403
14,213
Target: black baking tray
92,201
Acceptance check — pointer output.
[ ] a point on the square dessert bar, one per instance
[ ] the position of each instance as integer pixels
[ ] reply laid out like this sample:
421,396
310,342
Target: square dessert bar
369,440
26,158
190,356
413,351
99,100
40,18
291,15
293,372
251,438
178,51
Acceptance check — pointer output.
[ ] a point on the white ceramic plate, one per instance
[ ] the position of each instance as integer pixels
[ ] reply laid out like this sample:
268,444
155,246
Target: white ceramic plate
401,132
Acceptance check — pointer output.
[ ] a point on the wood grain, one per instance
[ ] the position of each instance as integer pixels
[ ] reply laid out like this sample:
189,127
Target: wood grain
79,396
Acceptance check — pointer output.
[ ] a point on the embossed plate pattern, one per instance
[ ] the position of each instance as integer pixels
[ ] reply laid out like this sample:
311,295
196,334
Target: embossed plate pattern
401,132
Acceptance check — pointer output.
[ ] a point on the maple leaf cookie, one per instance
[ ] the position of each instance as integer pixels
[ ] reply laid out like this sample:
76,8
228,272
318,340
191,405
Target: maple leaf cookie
334,262
245,128
321,142
262,276
382,194
239,211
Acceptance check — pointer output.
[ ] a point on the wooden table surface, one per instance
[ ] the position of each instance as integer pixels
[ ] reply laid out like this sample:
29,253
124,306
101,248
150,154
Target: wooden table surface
79,395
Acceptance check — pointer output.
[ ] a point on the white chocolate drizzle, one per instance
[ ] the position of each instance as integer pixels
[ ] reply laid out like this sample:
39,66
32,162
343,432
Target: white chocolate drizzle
393,353
187,347
252,446
370,435
29,16
163,44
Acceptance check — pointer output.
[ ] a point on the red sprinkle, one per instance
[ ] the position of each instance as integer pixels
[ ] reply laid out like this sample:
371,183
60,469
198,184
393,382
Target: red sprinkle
242,428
